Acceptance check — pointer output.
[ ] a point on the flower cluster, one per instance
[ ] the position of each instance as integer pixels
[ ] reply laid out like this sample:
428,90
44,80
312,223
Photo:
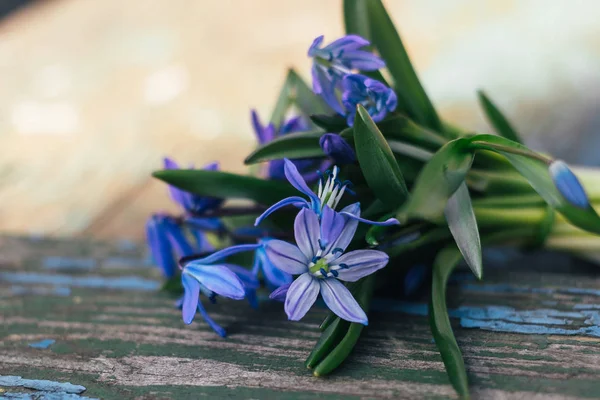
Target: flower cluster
184,246
342,89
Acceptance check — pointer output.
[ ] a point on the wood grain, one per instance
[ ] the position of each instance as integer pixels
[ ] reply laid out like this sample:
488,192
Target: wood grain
120,337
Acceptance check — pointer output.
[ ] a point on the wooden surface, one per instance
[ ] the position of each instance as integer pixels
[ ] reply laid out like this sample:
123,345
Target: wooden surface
115,334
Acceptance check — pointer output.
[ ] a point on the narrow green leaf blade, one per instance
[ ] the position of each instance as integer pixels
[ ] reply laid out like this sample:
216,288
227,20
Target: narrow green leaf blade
463,226
291,145
497,119
410,92
226,185
363,292
438,180
377,161
296,91
356,18
305,99
534,168
444,264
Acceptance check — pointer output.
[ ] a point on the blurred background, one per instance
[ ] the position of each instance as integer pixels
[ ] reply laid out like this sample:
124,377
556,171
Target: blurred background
94,94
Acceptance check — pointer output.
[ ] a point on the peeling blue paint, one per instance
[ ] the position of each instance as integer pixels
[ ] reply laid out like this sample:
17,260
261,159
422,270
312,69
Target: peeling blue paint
124,282
58,263
506,288
37,384
583,320
42,344
41,291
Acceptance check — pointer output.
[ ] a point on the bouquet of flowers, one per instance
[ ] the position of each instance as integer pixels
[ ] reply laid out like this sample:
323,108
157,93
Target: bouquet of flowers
361,190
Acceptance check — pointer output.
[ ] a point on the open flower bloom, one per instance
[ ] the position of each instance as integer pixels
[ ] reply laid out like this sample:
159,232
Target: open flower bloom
266,133
377,98
320,261
329,194
191,203
339,58
202,275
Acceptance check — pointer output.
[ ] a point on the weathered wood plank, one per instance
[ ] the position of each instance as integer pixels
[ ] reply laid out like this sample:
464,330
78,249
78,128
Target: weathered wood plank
118,336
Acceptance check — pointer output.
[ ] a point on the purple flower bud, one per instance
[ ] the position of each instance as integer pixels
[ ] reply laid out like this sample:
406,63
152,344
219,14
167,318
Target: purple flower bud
337,148
568,185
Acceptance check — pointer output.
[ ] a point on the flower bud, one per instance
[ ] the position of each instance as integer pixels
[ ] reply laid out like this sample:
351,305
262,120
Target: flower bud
337,148
568,185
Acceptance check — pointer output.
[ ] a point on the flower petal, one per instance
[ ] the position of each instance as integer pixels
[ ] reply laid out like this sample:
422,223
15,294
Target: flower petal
219,279
294,200
362,60
160,246
190,297
223,253
337,148
177,238
286,257
324,84
301,295
295,124
387,222
306,232
568,185
360,263
347,233
216,327
332,225
339,300
274,276
315,45
280,293
248,279
297,181
347,43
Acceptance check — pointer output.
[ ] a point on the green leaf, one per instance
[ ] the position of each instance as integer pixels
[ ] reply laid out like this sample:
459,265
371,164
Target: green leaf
377,161
445,262
330,123
296,91
363,293
291,145
497,119
409,150
385,38
356,18
226,185
398,126
534,168
330,337
463,226
438,180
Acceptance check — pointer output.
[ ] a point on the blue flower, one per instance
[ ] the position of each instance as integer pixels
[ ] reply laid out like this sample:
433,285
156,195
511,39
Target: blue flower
337,148
568,185
321,265
273,276
223,279
165,236
326,199
191,203
332,62
377,98
266,133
